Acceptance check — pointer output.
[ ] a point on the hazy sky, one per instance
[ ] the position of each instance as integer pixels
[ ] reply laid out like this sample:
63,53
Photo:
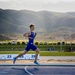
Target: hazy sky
38,5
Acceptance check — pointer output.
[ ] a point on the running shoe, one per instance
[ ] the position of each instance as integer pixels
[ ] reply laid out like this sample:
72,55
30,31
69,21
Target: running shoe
35,62
14,60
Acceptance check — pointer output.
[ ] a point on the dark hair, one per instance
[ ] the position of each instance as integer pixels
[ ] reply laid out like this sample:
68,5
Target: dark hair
31,25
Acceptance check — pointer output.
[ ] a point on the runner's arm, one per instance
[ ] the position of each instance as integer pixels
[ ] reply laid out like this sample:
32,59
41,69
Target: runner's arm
27,35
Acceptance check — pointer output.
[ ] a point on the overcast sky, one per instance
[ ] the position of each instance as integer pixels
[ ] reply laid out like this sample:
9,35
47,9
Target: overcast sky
38,5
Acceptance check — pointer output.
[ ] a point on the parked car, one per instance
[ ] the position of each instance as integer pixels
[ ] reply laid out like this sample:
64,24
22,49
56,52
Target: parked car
41,43
45,43
13,42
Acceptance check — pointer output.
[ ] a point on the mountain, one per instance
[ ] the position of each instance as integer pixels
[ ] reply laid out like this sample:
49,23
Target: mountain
71,13
2,37
54,24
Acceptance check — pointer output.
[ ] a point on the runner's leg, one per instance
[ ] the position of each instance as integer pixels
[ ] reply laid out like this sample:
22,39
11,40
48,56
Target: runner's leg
24,52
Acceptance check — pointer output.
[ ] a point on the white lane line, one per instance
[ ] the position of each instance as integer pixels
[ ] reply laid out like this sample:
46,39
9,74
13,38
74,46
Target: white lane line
28,71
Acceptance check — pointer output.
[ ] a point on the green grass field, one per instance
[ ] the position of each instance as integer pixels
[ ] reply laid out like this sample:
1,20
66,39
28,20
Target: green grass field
41,47
16,49
42,53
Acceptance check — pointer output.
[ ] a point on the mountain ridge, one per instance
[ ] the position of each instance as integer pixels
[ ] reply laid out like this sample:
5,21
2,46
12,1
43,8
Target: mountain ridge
17,21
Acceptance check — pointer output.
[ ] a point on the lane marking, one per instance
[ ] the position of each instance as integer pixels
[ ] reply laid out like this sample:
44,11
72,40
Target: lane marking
28,71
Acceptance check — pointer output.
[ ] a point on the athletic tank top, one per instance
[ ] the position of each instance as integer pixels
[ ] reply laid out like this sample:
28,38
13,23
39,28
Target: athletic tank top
32,34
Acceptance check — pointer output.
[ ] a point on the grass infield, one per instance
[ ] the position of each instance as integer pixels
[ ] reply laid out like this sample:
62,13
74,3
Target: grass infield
42,53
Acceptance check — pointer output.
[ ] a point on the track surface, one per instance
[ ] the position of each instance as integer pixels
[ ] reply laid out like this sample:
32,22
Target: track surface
37,70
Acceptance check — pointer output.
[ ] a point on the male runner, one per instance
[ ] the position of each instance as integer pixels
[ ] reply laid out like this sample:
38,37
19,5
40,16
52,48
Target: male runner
30,35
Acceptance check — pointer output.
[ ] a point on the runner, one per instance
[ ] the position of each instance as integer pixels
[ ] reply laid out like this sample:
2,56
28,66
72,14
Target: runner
30,45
